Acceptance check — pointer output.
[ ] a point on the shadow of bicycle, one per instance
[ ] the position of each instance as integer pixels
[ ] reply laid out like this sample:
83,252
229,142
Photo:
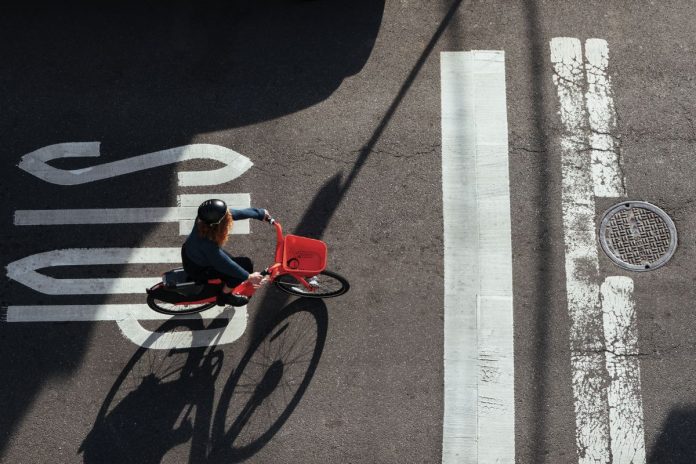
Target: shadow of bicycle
164,400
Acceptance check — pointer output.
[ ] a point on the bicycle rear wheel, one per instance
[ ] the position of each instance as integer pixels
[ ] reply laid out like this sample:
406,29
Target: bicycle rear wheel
174,309
326,284
166,302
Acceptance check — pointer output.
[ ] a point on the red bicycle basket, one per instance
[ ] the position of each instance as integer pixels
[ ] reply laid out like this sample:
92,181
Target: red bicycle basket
304,256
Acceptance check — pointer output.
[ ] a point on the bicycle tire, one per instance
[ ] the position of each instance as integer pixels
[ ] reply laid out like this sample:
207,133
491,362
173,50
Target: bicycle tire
328,279
171,309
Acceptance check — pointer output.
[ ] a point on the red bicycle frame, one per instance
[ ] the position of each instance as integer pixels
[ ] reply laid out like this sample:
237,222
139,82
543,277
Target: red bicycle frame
301,257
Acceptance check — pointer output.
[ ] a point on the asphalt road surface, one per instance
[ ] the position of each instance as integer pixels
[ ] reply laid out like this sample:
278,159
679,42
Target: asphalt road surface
338,107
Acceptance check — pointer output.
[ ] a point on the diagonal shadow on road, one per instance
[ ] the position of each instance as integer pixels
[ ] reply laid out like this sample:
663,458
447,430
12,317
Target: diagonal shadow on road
325,203
539,72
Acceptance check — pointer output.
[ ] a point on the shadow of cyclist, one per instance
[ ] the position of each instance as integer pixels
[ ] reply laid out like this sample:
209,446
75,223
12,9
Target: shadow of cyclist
163,398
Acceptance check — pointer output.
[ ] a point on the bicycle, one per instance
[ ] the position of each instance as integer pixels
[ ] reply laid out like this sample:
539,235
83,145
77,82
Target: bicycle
299,269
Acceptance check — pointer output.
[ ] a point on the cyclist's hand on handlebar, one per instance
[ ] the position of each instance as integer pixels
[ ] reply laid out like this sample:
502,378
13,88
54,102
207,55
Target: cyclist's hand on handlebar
257,279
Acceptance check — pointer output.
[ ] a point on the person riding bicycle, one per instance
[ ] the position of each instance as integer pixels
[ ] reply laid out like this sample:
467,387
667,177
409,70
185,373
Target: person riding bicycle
204,258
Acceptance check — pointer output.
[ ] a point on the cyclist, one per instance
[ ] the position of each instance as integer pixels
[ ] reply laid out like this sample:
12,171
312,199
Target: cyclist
204,258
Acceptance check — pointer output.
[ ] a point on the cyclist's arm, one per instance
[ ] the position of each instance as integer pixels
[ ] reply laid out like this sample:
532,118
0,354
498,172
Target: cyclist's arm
248,213
222,263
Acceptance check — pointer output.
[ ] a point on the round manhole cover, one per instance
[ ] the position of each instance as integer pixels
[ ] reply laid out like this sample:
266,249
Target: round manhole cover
638,236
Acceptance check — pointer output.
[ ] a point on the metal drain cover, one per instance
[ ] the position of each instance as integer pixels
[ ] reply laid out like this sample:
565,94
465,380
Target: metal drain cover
638,236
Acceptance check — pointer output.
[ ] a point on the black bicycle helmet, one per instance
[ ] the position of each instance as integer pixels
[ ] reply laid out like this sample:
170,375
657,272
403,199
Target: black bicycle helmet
212,211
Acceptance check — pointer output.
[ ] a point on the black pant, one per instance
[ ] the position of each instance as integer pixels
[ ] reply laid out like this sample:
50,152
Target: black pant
205,273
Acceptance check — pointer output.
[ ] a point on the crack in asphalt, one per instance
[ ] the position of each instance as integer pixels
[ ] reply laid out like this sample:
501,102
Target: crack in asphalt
652,352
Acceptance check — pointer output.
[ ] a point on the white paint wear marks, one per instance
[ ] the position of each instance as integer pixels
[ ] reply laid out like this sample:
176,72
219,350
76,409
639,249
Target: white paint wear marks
479,372
35,163
496,382
581,262
586,174
606,171
184,214
624,395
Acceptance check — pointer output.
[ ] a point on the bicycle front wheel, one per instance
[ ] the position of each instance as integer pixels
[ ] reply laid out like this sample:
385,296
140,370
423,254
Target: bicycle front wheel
326,284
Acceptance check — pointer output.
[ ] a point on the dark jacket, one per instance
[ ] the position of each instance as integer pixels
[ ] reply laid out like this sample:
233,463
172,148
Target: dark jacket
206,253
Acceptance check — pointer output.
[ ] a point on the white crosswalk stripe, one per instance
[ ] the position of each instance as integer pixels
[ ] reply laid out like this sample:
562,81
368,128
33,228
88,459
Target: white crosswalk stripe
479,414
606,385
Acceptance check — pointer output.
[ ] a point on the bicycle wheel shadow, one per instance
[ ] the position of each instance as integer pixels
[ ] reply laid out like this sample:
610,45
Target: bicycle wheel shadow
159,401
166,398
269,381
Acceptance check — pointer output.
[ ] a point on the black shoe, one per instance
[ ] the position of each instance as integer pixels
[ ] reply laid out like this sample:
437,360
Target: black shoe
228,299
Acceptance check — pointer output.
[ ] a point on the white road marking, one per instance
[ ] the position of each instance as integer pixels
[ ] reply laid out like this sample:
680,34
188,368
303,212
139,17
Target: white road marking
25,270
606,172
231,332
102,312
598,430
183,214
624,394
581,262
126,316
479,409
35,163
